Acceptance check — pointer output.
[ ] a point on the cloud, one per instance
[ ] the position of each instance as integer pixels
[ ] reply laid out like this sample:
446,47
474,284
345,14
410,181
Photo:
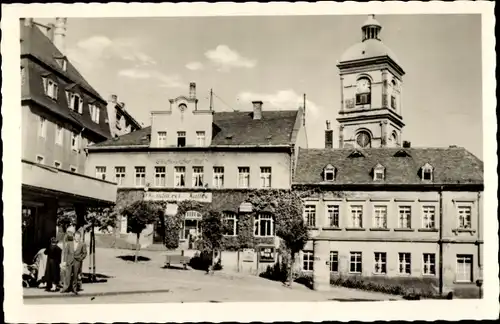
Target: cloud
226,58
280,100
193,66
164,81
92,52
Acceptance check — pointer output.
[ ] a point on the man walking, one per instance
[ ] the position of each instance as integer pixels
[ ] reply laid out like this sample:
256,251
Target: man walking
74,253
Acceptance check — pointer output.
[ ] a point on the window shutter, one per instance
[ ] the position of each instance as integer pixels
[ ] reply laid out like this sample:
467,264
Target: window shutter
97,111
45,85
80,106
56,91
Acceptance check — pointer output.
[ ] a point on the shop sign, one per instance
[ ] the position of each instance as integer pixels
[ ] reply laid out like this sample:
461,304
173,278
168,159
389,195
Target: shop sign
178,196
266,254
246,207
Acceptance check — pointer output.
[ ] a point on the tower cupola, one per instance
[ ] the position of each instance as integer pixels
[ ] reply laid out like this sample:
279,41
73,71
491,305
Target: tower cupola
371,28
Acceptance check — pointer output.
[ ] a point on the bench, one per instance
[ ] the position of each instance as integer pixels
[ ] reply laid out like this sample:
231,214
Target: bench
177,259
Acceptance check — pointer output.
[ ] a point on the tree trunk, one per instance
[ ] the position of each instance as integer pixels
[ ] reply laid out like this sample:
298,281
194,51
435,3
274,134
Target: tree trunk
291,262
137,247
93,254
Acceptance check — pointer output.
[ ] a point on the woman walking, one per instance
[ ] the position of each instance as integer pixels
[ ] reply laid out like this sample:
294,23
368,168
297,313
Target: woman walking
53,270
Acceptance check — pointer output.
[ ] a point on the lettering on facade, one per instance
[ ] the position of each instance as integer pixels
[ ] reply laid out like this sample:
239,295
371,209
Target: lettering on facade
246,207
178,196
181,161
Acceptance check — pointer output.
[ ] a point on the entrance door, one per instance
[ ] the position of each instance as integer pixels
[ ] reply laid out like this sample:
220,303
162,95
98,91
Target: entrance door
191,229
29,220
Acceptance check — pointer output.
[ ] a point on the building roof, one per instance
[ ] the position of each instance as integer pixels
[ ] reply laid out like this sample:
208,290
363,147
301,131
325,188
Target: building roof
453,165
230,129
370,48
41,54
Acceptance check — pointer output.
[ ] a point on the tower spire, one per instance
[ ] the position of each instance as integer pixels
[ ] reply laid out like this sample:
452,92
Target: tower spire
371,28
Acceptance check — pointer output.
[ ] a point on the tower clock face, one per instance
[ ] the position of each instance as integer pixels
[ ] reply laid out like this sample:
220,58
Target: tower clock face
363,86
363,140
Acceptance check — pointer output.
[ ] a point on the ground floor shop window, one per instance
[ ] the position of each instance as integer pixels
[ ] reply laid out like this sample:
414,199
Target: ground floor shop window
191,227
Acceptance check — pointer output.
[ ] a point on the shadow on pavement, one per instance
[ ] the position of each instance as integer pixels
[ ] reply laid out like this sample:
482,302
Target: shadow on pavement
132,258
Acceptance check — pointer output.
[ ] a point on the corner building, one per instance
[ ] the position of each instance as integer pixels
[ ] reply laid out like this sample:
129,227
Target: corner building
195,153
375,205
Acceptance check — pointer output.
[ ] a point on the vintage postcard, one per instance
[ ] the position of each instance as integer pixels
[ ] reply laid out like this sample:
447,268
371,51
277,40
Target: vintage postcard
249,162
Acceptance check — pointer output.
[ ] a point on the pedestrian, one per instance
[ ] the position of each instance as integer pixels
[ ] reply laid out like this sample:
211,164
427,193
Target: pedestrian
53,270
40,263
74,253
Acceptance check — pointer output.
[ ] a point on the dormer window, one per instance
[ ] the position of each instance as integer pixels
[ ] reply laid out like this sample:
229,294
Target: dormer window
50,87
427,172
62,62
329,173
94,113
75,102
379,173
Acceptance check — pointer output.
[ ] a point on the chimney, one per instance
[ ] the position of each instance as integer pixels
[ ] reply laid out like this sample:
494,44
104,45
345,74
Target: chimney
406,144
50,31
113,98
328,136
60,34
257,110
192,90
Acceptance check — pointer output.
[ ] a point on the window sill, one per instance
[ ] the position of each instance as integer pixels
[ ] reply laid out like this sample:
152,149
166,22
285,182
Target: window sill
464,283
404,230
355,229
313,228
379,274
376,229
258,236
463,230
428,230
332,229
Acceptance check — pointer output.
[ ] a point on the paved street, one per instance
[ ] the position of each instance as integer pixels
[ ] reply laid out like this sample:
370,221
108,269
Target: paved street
148,282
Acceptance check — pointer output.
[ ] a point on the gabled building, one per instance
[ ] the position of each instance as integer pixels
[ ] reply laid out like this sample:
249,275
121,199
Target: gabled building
375,205
61,115
195,153
120,121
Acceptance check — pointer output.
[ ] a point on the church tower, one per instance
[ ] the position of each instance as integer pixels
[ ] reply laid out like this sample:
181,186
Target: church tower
371,81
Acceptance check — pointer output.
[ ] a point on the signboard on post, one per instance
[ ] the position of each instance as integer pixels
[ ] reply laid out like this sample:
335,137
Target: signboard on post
248,255
178,196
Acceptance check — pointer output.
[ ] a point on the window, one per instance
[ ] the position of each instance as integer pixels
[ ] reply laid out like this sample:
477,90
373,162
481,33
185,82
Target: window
75,102
378,173
464,268
160,176
100,172
231,228
357,216
42,127
200,139
162,139
57,164
308,261
74,141
140,176
380,217
264,225
363,91
393,102
181,139
334,261
59,135
51,89
265,177
404,263
243,177
180,176
94,113
40,159
310,215
72,168
428,217
62,62
198,177
120,175
218,177
333,215
404,217
329,173
464,217
355,262
380,265
427,172
364,139
429,264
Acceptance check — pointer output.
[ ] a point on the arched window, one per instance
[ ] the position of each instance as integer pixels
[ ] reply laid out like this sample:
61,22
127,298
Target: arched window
427,172
393,139
329,173
378,172
363,139
363,91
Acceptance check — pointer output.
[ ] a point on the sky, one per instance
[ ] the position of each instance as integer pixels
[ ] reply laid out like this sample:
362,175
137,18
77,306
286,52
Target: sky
146,61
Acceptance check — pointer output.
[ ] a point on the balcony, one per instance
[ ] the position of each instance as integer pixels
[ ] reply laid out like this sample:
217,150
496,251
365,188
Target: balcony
41,180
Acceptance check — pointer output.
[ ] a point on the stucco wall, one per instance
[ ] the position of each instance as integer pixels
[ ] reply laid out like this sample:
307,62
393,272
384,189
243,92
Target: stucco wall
279,163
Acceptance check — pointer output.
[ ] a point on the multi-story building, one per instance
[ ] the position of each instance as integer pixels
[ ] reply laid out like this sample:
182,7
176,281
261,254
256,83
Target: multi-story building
380,208
195,153
119,120
61,115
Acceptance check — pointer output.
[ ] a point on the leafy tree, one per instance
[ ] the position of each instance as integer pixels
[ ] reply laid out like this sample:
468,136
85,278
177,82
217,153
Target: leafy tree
212,232
66,217
139,215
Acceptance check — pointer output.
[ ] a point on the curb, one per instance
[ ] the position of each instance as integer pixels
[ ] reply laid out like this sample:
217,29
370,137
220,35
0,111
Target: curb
96,294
